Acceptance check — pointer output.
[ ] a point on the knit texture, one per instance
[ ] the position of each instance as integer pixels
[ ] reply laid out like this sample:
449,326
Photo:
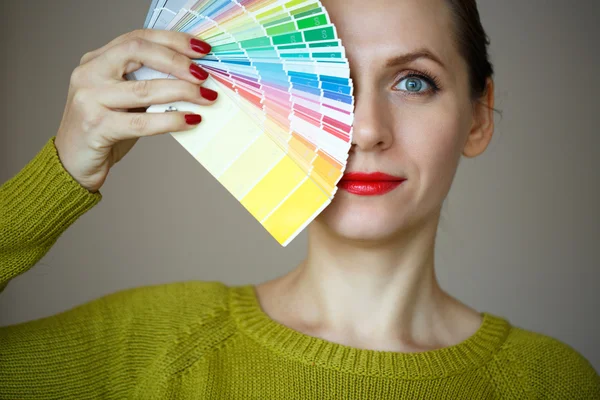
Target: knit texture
207,340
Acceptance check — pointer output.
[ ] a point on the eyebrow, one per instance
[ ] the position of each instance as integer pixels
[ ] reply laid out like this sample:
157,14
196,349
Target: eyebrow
406,58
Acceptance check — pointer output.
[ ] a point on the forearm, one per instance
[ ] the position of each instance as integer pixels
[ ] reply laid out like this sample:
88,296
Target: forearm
36,206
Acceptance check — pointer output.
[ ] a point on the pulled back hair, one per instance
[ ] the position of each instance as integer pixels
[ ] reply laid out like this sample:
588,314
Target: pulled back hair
472,44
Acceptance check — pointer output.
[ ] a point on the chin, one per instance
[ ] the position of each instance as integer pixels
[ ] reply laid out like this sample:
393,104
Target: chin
364,218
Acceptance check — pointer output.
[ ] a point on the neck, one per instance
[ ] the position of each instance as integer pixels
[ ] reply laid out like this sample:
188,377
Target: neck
358,292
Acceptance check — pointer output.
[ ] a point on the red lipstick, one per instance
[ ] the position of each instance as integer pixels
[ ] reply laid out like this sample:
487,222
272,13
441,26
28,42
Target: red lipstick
369,184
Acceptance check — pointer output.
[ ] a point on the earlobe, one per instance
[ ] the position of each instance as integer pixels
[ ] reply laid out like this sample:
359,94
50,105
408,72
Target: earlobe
482,129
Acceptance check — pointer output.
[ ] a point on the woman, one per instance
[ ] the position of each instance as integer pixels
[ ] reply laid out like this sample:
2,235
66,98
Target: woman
363,316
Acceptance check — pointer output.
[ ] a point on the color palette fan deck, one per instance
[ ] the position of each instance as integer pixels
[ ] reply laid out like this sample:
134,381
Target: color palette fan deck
278,136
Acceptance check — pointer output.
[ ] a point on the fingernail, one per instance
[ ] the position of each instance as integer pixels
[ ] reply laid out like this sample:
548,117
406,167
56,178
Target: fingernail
200,46
198,72
208,94
193,119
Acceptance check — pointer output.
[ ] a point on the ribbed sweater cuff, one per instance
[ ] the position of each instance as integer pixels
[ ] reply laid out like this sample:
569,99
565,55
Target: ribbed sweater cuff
38,204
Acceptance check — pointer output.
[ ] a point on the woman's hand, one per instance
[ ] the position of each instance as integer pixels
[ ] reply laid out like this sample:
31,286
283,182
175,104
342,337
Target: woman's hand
98,126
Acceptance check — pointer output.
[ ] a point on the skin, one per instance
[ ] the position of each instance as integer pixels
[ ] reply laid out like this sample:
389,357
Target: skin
368,280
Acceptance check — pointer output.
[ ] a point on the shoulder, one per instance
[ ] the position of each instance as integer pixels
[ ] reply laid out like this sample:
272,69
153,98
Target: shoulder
160,311
183,300
174,325
211,292
178,316
196,315
552,367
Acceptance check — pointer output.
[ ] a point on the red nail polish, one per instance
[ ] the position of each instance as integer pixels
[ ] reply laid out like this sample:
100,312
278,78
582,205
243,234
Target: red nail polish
208,94
198,72
200,46
193,119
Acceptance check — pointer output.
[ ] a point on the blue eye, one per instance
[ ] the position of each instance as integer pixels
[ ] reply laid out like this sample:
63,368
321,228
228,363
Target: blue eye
414,84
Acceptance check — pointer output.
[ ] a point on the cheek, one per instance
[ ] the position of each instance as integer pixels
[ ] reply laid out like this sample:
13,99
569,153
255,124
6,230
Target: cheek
432,136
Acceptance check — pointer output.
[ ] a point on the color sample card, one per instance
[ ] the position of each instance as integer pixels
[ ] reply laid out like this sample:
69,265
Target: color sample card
279,134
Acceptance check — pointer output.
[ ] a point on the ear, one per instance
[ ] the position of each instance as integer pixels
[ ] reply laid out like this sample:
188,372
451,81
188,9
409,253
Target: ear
482,128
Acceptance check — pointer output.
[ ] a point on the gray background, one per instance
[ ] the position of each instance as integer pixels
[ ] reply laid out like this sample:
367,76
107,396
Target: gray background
519,233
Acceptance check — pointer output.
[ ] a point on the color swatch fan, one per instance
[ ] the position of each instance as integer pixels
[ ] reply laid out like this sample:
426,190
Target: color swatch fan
279,134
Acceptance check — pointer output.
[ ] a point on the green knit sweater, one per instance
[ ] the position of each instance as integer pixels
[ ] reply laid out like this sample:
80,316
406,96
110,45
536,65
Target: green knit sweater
207,340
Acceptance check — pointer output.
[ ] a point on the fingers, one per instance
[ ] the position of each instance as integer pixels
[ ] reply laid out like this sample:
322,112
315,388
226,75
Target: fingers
130,55
181,42
125,126
137,94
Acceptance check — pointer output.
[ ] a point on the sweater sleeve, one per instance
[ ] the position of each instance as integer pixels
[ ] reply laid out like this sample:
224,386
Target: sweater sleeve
36,206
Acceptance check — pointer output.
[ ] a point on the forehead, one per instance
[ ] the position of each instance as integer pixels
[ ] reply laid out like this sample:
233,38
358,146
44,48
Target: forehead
385,28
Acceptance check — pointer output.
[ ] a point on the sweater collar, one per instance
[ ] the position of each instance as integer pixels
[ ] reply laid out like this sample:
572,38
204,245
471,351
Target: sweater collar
466,355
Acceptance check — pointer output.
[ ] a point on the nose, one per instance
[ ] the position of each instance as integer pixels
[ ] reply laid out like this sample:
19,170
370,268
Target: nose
372,129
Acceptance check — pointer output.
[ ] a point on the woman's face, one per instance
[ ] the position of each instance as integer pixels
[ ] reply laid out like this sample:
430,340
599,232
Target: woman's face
413,111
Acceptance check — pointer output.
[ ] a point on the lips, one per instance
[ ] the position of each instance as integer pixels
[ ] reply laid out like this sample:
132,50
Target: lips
369,184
